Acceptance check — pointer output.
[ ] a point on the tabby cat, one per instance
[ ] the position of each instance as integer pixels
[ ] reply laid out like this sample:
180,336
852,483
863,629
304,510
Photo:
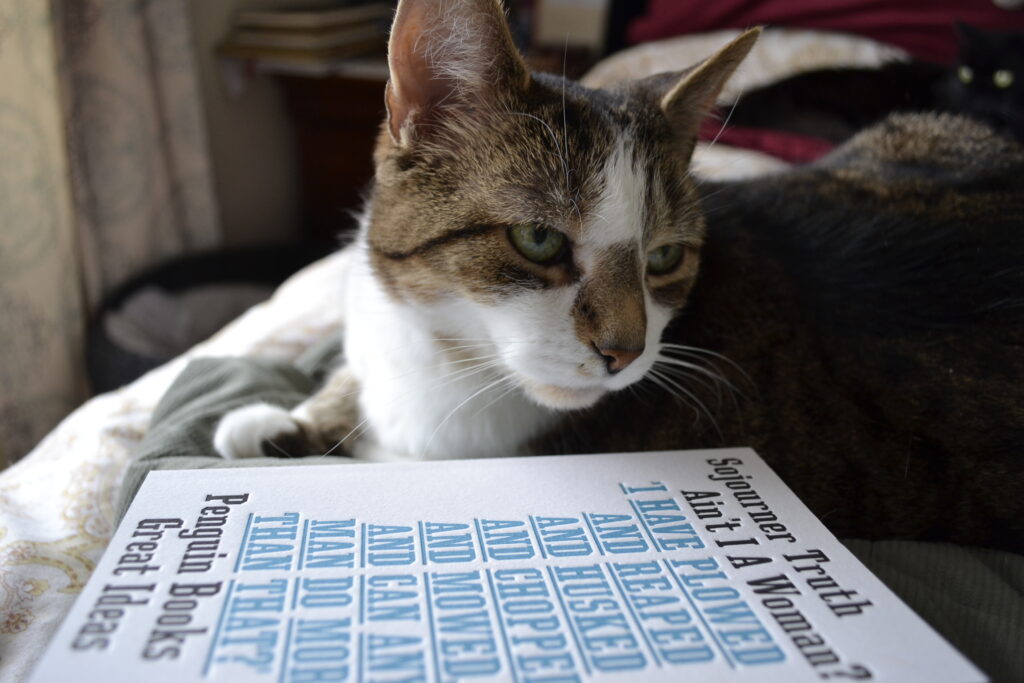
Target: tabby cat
537,272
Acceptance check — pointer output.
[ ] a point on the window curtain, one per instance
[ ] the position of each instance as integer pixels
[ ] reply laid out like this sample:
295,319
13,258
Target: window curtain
104,171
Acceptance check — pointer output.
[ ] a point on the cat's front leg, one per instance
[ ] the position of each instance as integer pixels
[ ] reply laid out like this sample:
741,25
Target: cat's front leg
323,424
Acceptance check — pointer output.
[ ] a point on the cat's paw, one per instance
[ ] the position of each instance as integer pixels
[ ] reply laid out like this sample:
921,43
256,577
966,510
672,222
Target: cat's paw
259,430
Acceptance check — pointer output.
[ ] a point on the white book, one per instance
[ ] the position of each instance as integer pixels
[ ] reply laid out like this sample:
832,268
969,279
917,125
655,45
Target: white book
670,566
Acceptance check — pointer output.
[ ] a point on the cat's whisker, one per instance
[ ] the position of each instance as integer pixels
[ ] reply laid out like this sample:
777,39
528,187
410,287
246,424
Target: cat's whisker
703,408
363,424
642,387
696,350
576,209
689,379
565,135
278,448
351,432
699,407
462,361
656,379
636,388
441,348
451,413
492,361
513,385
489,351
469,348
711,372
469,372
490,340
461,375
466,373
681,372
687,369
706,368
478,339
683,355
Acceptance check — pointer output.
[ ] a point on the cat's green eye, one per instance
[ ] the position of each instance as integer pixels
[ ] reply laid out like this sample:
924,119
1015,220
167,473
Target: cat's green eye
1003,78
538,244
665,259
965,74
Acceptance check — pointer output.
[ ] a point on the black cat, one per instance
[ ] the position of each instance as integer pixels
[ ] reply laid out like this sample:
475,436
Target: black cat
986,83
988,80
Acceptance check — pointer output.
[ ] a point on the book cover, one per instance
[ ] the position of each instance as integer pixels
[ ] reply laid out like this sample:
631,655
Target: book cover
666,566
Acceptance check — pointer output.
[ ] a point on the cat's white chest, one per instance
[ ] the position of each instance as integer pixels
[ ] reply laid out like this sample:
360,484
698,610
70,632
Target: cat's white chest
418,399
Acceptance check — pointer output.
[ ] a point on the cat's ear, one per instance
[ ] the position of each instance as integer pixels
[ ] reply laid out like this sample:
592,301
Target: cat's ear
687,99
447,54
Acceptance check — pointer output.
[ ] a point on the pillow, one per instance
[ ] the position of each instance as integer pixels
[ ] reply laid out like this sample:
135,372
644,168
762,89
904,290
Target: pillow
924,28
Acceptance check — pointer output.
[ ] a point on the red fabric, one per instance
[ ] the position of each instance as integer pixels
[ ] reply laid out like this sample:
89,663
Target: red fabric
924,28
791,147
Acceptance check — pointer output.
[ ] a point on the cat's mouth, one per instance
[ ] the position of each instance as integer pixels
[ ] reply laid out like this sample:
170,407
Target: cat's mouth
562,398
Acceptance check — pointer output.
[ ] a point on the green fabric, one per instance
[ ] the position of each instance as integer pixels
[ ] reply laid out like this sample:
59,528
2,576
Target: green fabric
973,597
180,434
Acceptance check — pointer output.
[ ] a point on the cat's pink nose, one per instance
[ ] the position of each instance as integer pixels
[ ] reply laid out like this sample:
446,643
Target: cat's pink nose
617,359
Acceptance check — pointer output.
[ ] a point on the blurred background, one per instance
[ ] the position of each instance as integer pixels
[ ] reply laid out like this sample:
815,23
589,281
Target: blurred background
164,164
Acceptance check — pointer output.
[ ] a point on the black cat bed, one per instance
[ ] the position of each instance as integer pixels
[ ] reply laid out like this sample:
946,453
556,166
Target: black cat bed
167,310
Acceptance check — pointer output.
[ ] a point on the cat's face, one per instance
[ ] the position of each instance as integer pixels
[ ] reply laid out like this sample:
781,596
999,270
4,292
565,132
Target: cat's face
527,217
988,79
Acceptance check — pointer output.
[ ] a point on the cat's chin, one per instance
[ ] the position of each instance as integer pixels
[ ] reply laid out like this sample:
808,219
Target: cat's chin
562,398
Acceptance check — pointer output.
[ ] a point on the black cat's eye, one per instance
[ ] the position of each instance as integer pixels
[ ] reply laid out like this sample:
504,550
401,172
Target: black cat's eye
537,243
665,259
965,73
1003,78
